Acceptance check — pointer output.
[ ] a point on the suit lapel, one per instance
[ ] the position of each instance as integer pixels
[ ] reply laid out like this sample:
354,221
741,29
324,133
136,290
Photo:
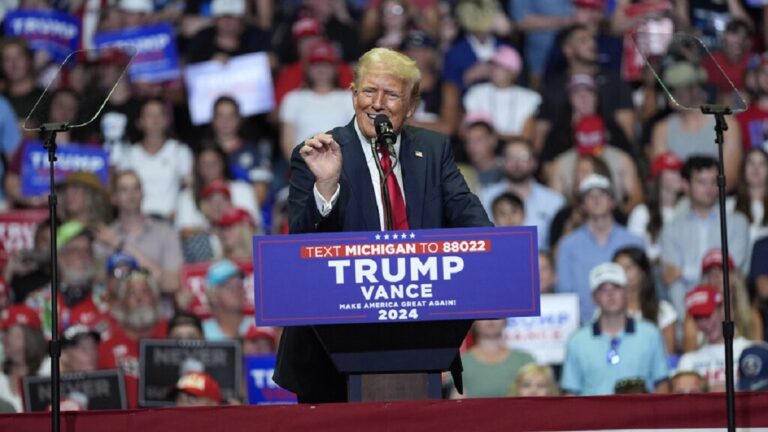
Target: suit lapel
414,172
358,177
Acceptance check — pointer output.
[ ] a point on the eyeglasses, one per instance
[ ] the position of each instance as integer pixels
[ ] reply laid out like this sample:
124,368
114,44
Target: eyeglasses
613,353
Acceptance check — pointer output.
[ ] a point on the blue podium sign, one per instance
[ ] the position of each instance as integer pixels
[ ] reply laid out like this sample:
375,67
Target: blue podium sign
261,389
374,277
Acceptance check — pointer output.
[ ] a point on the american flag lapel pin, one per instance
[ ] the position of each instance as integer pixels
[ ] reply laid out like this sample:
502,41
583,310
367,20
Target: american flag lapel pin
419,154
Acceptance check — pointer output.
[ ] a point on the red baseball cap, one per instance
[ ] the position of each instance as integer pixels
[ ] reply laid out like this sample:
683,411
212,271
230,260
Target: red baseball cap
216,186
703,300
306,26
589,135
21,314
235,216
714,258
199,384
590,4
254,333
322,51
665,162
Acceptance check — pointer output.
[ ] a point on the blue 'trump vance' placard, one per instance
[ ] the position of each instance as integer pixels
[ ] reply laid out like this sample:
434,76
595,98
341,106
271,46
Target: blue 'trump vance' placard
419,275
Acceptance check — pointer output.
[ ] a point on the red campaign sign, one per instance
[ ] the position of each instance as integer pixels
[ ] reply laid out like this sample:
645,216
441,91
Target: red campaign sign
17,231
193,281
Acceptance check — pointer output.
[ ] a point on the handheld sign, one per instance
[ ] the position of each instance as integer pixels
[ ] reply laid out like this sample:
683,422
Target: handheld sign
69,158
96,390
53,32
157,58
261,389
163,361
375,277
17,231
545,336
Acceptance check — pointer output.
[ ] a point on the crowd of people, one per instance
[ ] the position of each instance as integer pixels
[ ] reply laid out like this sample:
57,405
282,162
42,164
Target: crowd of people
551,127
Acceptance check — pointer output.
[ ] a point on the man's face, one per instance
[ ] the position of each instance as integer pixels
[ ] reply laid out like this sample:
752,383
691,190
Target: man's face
611,298
76,261
128,194
519,163
139,304
480,143
686,384
505,214
382,93
703,187
597,202
229,295
81,357
581,47
583,100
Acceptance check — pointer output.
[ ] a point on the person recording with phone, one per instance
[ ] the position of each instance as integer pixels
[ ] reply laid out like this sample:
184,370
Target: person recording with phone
375,173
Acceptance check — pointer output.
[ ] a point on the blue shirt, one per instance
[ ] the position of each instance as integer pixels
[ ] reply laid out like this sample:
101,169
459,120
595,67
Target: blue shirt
640,350
578,253
539,43
10,135
212,330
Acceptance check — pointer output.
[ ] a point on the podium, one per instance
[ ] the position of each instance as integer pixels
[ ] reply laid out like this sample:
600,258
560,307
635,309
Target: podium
397,361
390,310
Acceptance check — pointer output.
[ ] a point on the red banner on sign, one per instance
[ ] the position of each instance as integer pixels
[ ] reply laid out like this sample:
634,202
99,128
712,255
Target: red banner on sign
17,231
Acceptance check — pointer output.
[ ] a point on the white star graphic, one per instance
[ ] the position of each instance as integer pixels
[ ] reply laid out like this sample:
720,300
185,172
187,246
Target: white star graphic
395,236
378,237
386,236
413,235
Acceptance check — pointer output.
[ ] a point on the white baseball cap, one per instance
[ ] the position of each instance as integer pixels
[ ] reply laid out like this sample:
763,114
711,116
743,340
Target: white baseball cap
595,181
228,8
138,6
608,272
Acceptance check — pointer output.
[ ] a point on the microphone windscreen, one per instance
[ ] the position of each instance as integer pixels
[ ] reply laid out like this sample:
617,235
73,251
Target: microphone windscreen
381,123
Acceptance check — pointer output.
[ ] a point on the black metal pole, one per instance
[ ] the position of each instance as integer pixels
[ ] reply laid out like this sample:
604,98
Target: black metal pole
730,398
54,347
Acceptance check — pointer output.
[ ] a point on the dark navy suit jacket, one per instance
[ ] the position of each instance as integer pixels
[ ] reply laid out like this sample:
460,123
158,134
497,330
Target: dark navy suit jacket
436,196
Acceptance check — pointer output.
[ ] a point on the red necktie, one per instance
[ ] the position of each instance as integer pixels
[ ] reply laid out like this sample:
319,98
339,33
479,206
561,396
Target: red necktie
399,215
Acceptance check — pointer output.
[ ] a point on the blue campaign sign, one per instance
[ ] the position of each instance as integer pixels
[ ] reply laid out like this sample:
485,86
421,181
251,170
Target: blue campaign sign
420,275
261,389
51,31
69,158
156,59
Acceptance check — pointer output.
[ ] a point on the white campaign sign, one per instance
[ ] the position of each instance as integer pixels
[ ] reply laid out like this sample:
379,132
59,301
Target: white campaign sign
246,78
545,336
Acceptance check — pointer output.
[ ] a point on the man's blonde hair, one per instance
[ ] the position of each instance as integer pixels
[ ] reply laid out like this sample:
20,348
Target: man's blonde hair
387,61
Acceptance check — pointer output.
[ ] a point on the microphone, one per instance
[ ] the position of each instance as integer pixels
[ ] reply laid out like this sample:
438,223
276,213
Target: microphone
385,133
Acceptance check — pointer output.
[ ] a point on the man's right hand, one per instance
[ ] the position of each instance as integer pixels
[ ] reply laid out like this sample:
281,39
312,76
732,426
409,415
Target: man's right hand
322,154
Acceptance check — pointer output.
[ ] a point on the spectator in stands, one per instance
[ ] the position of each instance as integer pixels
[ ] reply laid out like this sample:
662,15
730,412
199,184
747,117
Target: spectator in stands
708,18
534,380
541,203
752,193
686,382
754,121
306,32
185,326
584,132
480,144
540,22
433,111
648,218
490,368
511,106
614,97
688,132
247,161
615,346
119,265
259,340
508,210
753,368
153,243
134,13
224,286
10,140
547,273
137,315
24,348
694,231
16,64
28,270
642,297
385,21
229,36
306,112
197,389
705,303
758,281
732,58
592,243
83,199
163,164
235,229
79,349
749,323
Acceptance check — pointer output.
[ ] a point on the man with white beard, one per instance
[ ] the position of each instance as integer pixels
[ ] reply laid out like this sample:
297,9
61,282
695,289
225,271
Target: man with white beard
136,315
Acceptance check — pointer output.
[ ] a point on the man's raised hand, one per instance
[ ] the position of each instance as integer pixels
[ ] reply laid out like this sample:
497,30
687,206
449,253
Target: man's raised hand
322,154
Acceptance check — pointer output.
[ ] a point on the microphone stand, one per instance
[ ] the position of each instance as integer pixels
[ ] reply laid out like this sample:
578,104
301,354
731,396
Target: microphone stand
720,111
49,130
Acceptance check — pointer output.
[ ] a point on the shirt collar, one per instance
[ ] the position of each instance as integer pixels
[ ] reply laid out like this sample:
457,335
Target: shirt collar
629,327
